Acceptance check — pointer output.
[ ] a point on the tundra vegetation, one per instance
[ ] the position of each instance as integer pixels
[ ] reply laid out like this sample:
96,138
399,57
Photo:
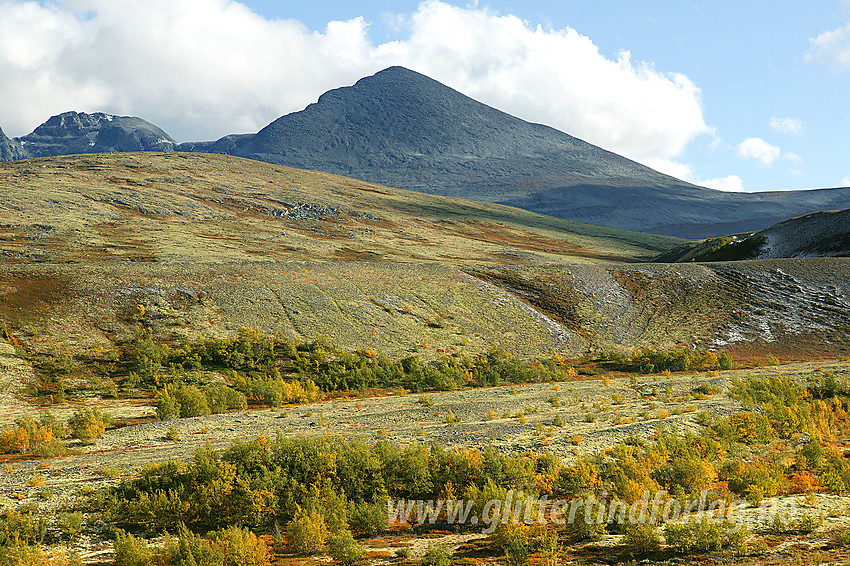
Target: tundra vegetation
217,375
261,499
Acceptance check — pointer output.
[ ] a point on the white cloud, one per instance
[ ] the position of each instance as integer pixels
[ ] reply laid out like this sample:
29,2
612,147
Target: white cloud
557,77
204,68
845,182
786,125
197,68
760,150
831,48
792,157
731,183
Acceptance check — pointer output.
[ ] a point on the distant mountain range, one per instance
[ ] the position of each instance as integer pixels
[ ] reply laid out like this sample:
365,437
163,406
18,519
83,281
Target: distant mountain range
403,129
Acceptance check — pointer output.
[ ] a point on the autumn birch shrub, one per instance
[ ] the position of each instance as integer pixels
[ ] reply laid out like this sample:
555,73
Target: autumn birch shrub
241,547
305,483
24,554
88,424
40,437
307,532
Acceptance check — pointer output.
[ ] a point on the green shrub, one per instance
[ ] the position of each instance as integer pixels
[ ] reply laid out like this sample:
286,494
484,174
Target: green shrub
368,519
507,534
779,398
23,525
687,474
205,494
585,526
221,398
794,525
130,551
549,549
641,538
192,401
810,455
701,536
841,539
707,389
754,480
437,556
24,554
516,548
193,550
167,406
650,360
71,525
343,548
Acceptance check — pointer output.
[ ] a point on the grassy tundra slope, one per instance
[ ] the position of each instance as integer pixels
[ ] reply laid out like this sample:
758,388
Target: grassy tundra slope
204,208
199,245
196,245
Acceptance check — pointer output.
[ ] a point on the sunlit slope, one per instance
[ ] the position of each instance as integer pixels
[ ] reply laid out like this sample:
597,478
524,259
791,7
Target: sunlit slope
820,234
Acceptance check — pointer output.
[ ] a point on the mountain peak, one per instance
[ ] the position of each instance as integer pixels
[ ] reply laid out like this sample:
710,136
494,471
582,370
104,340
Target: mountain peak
396,71
79,132
402,128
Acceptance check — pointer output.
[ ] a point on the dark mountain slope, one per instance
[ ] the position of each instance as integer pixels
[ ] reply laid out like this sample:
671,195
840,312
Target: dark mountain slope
78,132
404,129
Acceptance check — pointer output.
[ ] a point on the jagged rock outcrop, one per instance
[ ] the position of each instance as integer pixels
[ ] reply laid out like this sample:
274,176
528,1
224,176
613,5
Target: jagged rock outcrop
10,150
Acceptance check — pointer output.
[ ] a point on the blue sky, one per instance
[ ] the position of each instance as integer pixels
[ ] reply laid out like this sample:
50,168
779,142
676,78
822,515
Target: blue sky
735,95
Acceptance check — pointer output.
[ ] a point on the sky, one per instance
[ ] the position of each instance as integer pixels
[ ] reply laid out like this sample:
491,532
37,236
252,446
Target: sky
727,94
